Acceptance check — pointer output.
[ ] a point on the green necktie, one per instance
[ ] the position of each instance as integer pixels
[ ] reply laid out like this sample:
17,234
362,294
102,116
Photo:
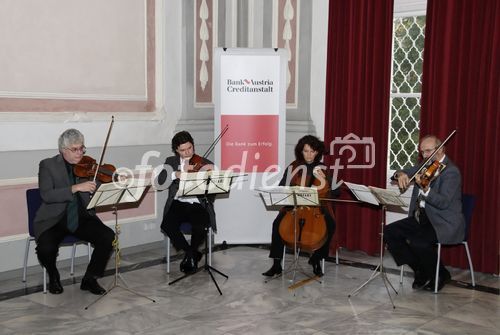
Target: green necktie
72,210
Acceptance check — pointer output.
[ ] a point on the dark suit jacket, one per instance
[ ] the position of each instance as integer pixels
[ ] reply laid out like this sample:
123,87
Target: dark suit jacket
55,190
443,205
172,163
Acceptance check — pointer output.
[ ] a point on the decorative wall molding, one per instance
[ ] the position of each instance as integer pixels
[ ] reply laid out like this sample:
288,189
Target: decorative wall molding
14,223
84,96
205,37
287,18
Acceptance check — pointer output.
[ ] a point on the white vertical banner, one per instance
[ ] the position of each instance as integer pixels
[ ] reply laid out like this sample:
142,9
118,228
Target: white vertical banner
250,99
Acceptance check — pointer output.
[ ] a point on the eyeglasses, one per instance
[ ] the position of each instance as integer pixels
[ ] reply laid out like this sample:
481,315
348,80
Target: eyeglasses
427,151
81,149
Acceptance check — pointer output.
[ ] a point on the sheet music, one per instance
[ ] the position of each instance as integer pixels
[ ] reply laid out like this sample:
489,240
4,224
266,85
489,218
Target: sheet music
284,195
388,197
375,195
113,193
362,193
195,183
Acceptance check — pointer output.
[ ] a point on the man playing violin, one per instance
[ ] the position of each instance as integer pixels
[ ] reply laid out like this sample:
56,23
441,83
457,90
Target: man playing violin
195,210
435,214
302,172
63,212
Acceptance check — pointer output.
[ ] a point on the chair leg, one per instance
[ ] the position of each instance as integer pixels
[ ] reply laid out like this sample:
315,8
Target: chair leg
336,256
471,268
436,281
323,265
44,281
283,258
209,246
401,275
73,252
167,250
26,252
89,252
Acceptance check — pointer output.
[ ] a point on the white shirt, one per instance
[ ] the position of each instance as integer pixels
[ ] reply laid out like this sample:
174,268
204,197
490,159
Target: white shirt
191,199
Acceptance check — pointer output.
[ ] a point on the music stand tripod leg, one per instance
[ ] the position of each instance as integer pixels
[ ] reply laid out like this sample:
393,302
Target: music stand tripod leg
205,267
379,270
117,275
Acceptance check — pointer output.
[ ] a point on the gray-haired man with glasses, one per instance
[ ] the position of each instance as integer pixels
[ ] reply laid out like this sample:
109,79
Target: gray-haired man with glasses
63,212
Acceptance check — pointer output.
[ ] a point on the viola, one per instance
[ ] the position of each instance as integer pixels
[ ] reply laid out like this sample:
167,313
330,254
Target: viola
88,168
304,227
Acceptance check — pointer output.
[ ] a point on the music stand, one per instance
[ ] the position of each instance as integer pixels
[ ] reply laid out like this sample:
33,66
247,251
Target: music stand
382,198
292,196
114,194
204,183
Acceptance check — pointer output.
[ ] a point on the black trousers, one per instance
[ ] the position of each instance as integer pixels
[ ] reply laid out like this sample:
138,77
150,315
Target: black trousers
181,212
413,243
90,229
277,243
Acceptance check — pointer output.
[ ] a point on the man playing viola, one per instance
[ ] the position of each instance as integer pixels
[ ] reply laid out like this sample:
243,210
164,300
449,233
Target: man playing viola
63,212
435,214
195,210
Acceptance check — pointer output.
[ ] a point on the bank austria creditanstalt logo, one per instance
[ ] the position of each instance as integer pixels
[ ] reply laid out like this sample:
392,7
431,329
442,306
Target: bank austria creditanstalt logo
249,85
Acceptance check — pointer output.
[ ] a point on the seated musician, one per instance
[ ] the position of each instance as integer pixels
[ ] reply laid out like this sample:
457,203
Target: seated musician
196,210
63,212
435,215
303,171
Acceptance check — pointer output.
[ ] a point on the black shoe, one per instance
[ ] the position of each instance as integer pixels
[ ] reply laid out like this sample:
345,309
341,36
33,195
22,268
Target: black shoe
274,270
317,270
188,265
444,278
421,280
316,265
91,284
55,286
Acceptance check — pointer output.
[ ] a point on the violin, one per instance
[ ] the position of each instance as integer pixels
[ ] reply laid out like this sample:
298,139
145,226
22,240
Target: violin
430,173
197,162
88,168
423,167
305,227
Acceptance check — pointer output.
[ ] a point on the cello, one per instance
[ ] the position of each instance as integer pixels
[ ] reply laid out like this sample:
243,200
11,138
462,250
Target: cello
304,227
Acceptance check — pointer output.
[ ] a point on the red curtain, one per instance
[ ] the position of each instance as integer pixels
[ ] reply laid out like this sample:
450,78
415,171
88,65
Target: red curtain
461,90
357,102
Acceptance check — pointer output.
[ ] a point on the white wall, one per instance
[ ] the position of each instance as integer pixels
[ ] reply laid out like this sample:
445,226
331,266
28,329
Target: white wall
29,137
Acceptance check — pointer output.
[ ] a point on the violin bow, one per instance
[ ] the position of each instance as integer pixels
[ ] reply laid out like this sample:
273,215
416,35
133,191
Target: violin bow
104,148
214,143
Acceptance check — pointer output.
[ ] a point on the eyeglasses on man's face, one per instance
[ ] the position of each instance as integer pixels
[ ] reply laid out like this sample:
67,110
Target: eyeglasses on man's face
82,149
427,151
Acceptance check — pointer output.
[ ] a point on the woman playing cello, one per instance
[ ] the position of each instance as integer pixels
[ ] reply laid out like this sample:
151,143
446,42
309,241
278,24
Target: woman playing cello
307,171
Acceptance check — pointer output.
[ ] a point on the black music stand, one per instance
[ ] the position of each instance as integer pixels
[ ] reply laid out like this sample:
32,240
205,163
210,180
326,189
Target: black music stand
204,183
114,194
292,196
381,198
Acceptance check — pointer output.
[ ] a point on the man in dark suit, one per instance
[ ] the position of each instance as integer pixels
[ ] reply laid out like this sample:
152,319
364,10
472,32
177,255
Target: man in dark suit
196,210
63,211
435,214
